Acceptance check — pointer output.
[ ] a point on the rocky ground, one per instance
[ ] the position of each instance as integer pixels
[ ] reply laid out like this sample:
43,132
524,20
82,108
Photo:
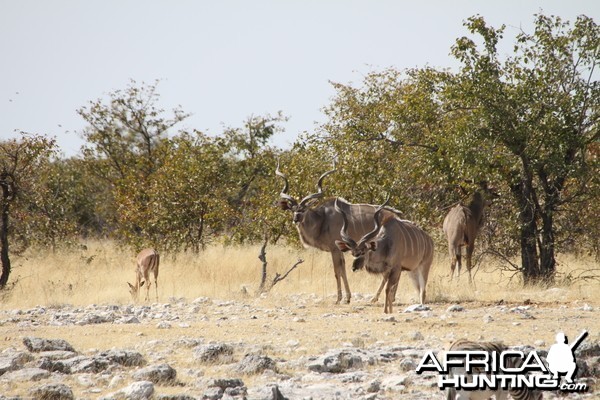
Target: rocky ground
295,347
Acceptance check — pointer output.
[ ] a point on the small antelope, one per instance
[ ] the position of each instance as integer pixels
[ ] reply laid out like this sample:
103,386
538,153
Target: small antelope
461,227
499,394
147,262
394,246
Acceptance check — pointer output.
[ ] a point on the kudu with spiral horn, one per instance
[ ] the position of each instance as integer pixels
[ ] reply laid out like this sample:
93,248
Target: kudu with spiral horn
319,225
393,246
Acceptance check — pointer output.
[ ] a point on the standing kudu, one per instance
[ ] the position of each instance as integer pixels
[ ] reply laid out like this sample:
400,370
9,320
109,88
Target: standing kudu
147,263
461,227
394,246
319,226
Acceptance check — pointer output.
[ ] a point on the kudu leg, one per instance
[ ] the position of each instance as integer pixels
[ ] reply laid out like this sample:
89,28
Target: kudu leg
375,298
390,290
339,268
470,249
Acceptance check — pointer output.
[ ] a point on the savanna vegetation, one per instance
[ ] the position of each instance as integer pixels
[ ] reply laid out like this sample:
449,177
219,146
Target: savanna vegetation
524,123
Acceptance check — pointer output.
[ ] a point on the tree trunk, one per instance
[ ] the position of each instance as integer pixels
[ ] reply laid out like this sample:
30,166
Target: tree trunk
528,228
4,258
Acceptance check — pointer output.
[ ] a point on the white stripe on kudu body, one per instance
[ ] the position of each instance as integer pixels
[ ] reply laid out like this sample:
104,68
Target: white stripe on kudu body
319,225
147,263
393,246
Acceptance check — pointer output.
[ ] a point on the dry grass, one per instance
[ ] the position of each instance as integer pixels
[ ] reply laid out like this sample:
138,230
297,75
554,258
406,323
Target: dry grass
98,274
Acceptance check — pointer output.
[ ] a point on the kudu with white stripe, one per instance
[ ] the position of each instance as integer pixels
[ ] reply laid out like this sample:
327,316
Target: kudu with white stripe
319,225
500,394
393,246
461,227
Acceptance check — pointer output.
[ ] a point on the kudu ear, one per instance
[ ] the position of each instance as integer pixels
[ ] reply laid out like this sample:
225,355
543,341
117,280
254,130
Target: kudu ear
372,245
342,246
130,286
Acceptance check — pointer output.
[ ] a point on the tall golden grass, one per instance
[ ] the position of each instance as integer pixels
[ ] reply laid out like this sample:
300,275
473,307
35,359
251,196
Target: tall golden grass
97,274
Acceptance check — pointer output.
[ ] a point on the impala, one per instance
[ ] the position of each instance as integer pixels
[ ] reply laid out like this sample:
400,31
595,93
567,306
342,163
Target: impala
147,263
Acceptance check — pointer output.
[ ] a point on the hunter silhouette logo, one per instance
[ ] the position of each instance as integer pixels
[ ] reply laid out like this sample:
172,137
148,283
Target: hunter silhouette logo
561,356
490,366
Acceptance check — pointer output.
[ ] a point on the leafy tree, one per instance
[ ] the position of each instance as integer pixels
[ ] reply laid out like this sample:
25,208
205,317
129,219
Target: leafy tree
527,125
124,136
20,159
254,186
538,111
189,193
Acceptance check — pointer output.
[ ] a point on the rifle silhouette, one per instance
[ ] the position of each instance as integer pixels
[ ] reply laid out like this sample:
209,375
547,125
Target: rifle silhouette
578,341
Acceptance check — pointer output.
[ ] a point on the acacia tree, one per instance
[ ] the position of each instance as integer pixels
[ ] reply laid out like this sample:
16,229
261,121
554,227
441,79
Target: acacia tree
20,159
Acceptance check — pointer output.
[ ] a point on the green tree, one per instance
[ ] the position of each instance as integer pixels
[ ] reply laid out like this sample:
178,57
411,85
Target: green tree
124,135
189,193
538,110
20,159
527,125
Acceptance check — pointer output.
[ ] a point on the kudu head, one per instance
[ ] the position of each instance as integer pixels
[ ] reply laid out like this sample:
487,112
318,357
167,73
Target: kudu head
360,251
298,208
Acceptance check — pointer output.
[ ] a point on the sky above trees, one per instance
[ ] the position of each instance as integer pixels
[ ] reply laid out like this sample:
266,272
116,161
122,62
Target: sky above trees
227,60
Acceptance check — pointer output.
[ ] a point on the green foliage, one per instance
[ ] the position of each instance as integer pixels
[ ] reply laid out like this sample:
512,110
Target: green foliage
525,124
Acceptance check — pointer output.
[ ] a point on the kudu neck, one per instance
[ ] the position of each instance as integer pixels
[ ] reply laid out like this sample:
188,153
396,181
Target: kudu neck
476,203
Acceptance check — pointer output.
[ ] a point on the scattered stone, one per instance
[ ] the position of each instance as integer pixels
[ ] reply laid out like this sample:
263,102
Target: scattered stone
227,383
13,361
127,358
255,364
36,345
213,393
488,318
26,374
394,383
141,390
213,352
408,364
374,386
416,308
52,391
157,374
276,394
340,361
416,336
163,325
455,308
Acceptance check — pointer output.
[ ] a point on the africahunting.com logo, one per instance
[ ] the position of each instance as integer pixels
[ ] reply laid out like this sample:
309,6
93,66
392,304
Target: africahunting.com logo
470,366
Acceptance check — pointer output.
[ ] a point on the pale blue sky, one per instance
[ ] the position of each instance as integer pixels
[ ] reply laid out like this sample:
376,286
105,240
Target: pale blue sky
224,60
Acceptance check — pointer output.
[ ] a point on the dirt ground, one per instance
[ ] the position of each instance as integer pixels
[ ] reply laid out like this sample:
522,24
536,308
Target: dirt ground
295,328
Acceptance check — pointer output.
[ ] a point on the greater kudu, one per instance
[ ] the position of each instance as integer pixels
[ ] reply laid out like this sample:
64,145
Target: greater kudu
147,262
319,226
461,227
393,246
